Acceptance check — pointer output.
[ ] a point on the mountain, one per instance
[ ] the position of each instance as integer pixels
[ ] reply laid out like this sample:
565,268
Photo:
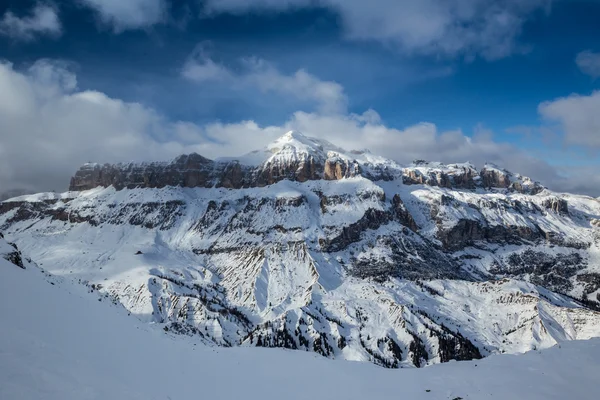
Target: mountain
304,245
59,342
5,195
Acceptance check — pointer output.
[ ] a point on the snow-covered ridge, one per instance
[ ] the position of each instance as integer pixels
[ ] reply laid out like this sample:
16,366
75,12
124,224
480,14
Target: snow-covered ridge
296,157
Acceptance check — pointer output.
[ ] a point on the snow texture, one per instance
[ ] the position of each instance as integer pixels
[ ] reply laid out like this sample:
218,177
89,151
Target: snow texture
63,343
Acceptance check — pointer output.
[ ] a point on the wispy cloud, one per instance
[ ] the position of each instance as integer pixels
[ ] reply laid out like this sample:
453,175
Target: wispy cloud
42,20
259,74
122,15
589,63
486,28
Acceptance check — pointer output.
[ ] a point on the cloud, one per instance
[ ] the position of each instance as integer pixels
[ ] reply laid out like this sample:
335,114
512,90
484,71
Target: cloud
578,117
48,128
488,28
256,73
42,20
302,85
129,14
201,68
589,63
419,141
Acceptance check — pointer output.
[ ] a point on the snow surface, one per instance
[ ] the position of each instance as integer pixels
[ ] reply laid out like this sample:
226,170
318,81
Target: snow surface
63,343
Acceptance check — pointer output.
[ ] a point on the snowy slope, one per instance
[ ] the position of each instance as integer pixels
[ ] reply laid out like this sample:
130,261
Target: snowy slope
64,344
397,266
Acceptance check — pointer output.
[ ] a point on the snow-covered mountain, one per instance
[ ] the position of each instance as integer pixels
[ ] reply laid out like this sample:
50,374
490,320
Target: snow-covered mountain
307,246
59,342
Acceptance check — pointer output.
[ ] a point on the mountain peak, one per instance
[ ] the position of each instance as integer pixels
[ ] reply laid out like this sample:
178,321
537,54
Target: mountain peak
293,135
297,142
295,139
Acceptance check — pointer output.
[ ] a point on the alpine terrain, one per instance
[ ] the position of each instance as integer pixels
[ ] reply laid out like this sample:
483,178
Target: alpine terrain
304,245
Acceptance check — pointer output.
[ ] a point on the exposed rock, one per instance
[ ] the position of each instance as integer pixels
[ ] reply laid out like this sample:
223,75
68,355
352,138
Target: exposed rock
10,252
191,170
591,282
468,232
466,176
494,178
301,170
294,157
557,205
232,176
463,176
407,260
336,168
402,214
372,219
551,271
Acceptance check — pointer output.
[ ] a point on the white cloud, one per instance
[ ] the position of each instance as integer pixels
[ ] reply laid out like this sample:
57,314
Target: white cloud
201,68
420,141
589,63
42,20
302,85
262,75
128,14
48,128
578,116
489,28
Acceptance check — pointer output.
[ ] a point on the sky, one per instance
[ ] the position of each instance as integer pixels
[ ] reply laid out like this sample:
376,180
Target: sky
513,82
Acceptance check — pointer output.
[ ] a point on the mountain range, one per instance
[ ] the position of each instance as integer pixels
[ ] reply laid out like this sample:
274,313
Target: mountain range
307,246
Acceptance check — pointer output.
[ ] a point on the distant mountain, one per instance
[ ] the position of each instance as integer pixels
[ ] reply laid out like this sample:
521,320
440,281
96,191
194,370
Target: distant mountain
304,245
13,193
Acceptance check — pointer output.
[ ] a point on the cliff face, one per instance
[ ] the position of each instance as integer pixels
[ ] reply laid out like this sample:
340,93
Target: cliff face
293,157
191,170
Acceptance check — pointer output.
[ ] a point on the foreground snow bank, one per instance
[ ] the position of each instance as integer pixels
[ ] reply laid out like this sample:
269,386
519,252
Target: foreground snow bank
59,342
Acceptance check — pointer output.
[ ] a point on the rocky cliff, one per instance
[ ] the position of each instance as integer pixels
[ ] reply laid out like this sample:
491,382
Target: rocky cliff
293,157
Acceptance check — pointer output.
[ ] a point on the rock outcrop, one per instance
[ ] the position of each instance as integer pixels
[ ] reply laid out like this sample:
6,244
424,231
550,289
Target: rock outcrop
557,205
338,168
10,252
466,176
438,174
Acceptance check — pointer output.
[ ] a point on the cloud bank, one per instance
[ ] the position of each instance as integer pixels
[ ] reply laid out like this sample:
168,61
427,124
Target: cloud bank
258,74
48,128
487,28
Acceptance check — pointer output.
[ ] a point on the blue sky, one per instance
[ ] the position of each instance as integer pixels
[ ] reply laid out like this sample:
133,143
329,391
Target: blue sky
482,68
